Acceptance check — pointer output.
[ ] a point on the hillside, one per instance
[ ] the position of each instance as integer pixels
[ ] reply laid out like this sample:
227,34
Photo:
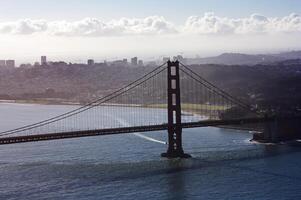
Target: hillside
246,59
269,85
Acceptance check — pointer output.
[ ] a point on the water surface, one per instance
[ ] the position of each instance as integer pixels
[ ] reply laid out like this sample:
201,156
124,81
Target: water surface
225,165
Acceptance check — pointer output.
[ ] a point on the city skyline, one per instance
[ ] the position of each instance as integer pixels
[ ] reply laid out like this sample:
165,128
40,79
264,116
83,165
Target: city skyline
77,31
134,61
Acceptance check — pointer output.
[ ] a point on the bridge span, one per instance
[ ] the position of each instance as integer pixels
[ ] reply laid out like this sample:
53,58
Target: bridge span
124,130
174,96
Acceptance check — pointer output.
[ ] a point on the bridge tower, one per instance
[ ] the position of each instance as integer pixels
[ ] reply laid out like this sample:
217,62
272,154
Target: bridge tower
175,148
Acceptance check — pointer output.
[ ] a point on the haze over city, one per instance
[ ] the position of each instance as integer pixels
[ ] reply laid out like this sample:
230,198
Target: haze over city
75,30
150,99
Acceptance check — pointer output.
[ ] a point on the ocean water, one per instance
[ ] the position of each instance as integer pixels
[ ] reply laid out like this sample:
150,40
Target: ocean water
224,165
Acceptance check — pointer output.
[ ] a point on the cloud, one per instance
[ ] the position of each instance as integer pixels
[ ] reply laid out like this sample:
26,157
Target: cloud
208,24
213,24
91,27
24,26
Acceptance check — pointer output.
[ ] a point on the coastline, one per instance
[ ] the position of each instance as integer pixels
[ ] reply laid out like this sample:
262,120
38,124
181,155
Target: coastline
41,102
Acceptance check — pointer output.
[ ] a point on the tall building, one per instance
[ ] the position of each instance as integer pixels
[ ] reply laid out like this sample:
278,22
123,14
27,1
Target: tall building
10,63
140,62
2,63
43,60
134,61
90,62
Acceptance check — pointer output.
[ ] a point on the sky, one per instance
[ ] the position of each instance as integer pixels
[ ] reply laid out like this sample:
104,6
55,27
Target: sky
75,30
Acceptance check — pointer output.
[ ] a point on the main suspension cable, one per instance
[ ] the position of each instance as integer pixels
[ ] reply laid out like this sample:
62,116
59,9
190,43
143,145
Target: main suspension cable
89,105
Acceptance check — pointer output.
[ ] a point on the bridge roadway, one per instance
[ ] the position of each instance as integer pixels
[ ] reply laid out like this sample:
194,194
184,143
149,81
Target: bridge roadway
123,130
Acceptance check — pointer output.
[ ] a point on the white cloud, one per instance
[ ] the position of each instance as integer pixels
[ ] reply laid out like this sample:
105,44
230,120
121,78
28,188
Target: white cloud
208,24
24,26
91,27
212,24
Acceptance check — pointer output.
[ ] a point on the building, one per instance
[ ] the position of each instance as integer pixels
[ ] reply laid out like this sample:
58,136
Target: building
125,61
90,62
2,63
134,61
140,62
36,64
26,65
118,62
43,60
10,63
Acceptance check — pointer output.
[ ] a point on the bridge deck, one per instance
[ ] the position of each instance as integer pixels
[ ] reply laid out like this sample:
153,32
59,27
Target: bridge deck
112,131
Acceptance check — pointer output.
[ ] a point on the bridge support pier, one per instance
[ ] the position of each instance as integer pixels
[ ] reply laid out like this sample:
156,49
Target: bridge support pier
175,149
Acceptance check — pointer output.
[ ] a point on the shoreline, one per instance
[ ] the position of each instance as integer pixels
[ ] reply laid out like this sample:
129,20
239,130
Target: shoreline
47,102
41,102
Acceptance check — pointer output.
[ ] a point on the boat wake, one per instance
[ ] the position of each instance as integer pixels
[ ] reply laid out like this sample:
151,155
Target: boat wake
125,123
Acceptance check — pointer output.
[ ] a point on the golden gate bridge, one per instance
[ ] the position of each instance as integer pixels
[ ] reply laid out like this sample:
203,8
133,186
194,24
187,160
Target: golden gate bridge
177,98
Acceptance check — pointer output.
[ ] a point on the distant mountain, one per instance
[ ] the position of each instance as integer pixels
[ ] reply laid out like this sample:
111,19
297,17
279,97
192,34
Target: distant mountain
289,55
284,62
246,59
